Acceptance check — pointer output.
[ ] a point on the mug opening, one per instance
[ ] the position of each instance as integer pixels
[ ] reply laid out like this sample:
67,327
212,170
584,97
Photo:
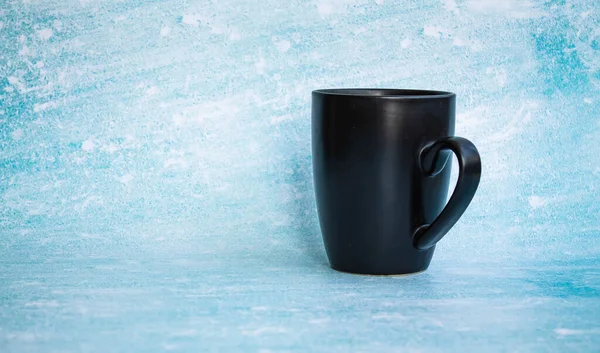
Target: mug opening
385,92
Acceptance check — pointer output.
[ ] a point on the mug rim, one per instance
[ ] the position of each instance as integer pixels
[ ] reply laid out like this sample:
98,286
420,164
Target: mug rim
396,93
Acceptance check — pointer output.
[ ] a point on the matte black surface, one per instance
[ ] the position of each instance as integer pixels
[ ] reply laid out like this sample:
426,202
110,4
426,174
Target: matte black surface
381,164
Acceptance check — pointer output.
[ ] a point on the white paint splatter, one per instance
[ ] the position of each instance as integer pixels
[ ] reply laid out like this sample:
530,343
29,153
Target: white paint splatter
44,106
87,145
283,45
111,148
360,30
17,134
264,330
174,162
57,25
192,20
235,35
585,14
279,119
259,308
93,199
450,5
25,51
406,42
165,31
520,9
151,91
45,34
458,42
217,30
90,236
568,332
178,119
42,304
435,31
386,316
260,65
319,321
18,83
379,2
1,24
516,124
325,8
40,64
125,179
282,221
536,202
588,100
79,160
500,75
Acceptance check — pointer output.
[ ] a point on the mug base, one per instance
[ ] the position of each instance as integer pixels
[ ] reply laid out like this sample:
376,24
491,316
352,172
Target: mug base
402,274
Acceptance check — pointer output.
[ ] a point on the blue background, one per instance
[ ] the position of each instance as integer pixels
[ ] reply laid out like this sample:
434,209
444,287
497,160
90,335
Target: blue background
156,189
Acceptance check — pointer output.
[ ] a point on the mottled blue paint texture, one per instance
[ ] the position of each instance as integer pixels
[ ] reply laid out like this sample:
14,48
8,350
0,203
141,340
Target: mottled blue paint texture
156,189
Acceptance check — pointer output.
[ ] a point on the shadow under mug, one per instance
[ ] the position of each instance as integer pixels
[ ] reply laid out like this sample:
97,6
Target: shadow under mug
381,166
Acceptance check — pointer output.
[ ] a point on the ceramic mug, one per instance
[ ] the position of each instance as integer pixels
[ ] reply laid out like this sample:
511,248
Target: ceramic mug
381,166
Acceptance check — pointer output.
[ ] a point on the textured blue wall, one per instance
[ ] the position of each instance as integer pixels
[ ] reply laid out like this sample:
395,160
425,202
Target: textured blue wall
181,129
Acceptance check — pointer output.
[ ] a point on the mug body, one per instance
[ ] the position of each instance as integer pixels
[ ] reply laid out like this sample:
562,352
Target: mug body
371,193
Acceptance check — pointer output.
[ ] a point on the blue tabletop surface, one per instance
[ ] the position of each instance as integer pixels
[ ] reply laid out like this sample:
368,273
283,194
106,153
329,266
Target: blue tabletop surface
282,299
156,189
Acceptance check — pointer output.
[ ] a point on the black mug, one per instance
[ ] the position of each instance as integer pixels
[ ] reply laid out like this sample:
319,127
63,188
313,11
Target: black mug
381,167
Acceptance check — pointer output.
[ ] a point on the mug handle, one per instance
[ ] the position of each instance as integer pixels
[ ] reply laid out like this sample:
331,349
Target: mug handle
469,174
